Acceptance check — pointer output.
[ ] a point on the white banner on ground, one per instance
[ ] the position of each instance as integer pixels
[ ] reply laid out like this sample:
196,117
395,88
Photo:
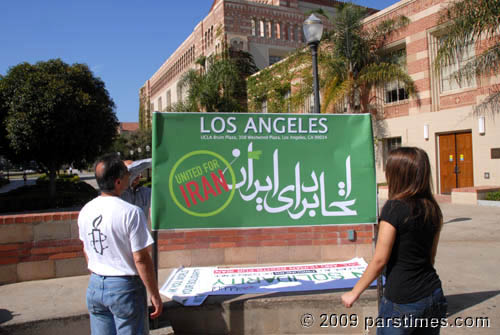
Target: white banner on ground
191,286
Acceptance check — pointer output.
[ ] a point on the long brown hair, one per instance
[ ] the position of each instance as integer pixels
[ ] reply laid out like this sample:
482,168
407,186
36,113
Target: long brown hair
408,174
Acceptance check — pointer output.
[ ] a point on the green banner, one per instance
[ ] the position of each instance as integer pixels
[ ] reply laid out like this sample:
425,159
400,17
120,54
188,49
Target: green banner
262,170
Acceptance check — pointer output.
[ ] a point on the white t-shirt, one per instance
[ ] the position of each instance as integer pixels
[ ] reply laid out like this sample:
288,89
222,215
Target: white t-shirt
111,230
140,197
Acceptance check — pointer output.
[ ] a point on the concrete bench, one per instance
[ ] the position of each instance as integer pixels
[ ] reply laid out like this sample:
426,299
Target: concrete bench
470,195
314,312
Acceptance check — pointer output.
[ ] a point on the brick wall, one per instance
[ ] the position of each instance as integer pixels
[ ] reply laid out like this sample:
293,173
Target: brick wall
40,246
43,246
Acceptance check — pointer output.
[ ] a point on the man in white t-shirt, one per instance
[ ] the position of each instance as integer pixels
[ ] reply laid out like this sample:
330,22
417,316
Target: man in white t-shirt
116,239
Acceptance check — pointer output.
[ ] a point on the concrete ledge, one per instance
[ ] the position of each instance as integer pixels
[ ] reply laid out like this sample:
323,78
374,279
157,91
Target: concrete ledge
278,313
76,325
488,203
471,195
383,192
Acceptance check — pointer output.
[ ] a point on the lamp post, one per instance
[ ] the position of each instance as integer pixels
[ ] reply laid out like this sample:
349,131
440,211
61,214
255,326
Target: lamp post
132,154
139,152
148,148
313,29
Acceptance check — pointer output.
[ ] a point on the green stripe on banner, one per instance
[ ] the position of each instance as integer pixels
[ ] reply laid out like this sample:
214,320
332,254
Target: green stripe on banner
262,170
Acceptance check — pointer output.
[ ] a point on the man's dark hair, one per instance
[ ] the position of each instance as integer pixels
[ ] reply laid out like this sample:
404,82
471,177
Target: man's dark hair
112,169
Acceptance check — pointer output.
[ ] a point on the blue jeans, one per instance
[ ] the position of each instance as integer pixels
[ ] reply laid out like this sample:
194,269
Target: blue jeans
117,305
420,317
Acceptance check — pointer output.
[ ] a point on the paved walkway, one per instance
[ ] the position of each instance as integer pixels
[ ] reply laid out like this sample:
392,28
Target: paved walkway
87,177
468,263
16,183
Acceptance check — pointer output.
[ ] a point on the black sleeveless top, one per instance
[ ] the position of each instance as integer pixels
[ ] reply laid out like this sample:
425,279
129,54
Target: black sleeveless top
410,275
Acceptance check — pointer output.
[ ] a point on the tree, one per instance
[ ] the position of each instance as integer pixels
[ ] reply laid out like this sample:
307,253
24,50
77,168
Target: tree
351,63
56,114
126,142
219,84
472,22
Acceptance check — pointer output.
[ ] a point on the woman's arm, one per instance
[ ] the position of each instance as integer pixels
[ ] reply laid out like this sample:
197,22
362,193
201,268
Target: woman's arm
385,241
435,244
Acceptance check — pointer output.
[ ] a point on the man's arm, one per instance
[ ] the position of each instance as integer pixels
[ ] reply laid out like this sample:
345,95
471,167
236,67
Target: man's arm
144,265
87,260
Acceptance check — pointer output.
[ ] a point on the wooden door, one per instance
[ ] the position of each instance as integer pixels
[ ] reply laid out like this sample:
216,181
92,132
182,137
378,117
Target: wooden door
455,161
464,160
447,162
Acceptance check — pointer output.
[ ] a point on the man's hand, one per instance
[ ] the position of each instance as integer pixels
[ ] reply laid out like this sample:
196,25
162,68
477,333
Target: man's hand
158,305
349,298
144,265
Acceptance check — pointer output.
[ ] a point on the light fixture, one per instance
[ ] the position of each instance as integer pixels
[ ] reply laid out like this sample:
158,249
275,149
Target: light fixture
426,132
313,29
480,125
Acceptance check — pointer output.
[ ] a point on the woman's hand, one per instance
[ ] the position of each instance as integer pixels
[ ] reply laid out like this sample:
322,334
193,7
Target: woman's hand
349,298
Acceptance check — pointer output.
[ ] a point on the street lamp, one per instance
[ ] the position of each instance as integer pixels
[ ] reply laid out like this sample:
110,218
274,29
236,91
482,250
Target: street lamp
148,148
313,29
132,154
139,152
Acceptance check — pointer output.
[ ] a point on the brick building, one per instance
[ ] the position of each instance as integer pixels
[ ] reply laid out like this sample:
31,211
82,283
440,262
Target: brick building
268,29
442,120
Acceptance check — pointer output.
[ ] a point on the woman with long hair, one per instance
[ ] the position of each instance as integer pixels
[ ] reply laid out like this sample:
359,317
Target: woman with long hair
409,228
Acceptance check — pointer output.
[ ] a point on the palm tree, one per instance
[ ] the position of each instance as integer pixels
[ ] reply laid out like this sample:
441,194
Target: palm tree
471,21
351,63
219,84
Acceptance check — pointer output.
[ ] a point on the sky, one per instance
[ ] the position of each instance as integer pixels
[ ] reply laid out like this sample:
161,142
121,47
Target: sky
123,42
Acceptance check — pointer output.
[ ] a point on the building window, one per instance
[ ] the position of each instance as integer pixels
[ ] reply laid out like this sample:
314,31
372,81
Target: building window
169,98
274,59
179,93
395,90
389,145
254,28
309,104
288,97
261,28
447,82
160,109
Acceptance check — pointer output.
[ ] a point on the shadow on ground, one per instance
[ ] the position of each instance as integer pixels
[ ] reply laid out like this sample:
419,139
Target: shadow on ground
5,315
457,220
460,302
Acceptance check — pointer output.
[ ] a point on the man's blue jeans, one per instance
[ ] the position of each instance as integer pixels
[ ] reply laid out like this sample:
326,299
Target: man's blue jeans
117,305
422,317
